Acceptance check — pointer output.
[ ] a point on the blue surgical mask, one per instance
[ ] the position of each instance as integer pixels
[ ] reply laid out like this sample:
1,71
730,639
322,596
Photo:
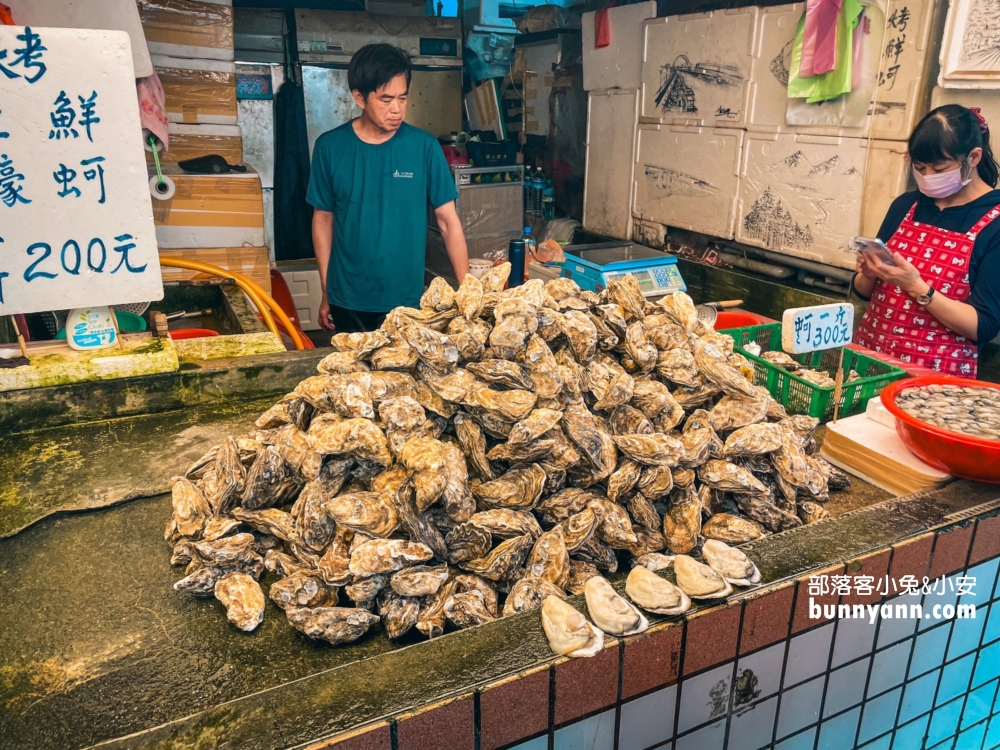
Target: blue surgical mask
941,185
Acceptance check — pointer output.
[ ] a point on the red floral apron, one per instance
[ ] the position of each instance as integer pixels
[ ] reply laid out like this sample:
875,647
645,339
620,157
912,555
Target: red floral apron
895,324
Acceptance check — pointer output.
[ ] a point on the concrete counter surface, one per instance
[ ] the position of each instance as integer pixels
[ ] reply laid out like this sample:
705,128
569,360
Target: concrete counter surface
98,649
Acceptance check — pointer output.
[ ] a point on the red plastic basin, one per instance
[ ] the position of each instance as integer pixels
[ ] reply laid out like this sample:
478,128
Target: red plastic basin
192,333
730,319
960,455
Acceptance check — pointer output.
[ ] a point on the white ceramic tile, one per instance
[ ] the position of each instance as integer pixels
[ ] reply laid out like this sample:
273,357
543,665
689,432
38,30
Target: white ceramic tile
764,667
889,667
965,633
800,706
802,741
928,651
712,736
705,697
919,696
752,727
854,638
895,628
595,733
845,687
838,733
879,715
648,720
808,654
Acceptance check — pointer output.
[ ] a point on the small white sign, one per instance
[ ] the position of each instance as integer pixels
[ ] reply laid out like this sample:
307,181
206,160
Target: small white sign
810,329
76,223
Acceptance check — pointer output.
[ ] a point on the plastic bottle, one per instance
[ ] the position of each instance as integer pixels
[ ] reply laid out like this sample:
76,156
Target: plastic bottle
549,201
539,189
529,245
529,184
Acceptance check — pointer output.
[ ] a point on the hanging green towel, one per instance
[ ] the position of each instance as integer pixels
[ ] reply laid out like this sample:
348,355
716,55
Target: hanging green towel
837,82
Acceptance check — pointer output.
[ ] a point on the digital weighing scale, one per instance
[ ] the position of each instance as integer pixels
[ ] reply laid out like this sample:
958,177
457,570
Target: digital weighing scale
592,266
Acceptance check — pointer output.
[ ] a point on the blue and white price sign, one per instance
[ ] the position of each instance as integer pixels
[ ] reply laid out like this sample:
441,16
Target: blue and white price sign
810,329
76,223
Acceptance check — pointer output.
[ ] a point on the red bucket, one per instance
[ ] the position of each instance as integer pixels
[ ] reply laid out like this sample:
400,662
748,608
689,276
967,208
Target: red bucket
729,319
965,456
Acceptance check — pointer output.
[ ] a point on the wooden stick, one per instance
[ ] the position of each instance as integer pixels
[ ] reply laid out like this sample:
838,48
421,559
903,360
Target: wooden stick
838,386
20,338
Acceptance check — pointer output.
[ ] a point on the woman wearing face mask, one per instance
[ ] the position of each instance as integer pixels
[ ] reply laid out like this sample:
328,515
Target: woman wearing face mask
941,299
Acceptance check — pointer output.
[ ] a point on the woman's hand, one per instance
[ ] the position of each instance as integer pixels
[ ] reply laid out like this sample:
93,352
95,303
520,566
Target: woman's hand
904,274
864,269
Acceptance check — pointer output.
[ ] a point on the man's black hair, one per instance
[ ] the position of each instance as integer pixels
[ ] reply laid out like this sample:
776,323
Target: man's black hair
374,65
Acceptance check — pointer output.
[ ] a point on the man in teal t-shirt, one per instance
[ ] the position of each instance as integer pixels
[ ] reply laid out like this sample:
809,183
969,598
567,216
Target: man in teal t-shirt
371,182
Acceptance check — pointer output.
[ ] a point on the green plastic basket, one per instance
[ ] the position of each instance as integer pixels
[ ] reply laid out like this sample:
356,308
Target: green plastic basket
800,396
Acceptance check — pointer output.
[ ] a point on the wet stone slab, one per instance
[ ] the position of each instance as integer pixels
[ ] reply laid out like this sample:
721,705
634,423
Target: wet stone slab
98,464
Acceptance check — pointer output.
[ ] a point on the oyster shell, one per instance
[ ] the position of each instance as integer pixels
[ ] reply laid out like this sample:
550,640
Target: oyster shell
579,573
269,521
713,365
699,581
438,296
656,482
640,347
578,529
371,512
682,521
679,367
282,565
624,479
468,608
730,563
420,580
624,291
655,449
754,440
470,437
200,582
503,562
332,624
417,524
610,612
655,594
386,556
543,370
679,307
597,446
517,489
528,593
644,512
581,333
495,279
244,601
425,460
302,589
654,561
568,631
731,529
722,475
432,617
468,541
616,526
549,558
506,523
363,591
469,297
538,422
811,512
436,350
191,509
359,438
339,363
733,412
509,406
398,613
502,372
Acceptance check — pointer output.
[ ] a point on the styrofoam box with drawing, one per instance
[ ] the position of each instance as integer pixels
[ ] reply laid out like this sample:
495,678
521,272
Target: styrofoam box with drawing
619,65
970,49
801,195
611,120
688,177
75,212
900,39
696,68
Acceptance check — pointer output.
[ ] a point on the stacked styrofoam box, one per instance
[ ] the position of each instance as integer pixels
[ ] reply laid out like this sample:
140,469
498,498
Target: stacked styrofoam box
192,46
612,76
715,153
220,216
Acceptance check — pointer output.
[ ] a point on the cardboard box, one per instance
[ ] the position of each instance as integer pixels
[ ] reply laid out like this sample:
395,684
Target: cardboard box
252,262
191,141
198,92
210,211
188,28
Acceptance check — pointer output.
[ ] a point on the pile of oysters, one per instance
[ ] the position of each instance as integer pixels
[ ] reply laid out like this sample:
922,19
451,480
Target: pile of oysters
490,450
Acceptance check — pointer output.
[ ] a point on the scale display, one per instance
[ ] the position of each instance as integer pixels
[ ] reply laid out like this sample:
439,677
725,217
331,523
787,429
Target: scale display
592,266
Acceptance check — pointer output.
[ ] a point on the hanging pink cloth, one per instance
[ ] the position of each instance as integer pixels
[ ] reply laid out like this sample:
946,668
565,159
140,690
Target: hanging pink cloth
863,29
153,107
819,42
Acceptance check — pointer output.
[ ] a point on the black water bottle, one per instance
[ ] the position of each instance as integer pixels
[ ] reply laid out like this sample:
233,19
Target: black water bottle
515,254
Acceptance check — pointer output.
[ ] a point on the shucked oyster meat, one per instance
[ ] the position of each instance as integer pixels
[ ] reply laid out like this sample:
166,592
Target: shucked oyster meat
610,611
568,631
654,593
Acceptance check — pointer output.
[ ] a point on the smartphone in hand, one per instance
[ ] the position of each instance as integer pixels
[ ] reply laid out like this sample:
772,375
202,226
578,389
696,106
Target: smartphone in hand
874,246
